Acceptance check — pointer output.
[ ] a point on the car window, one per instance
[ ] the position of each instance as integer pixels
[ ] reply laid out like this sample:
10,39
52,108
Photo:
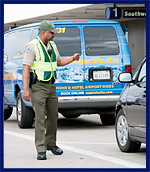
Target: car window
8,45
68,41
142,74
5,58
4,38
34,33
21,39
136,72
101,41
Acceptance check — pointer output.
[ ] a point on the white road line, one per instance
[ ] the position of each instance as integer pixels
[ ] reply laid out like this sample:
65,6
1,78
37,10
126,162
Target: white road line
88,143
19,135
111,159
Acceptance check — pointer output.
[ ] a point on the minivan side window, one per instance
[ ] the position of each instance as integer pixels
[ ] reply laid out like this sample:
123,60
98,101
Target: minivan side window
8,46
101,41
4,38
34,33
68,41
21,40
142,74
5,57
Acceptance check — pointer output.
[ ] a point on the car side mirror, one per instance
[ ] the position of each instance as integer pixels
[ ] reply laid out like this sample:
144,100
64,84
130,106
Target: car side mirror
125,77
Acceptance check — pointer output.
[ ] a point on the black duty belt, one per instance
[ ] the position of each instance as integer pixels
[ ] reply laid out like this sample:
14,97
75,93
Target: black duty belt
51,81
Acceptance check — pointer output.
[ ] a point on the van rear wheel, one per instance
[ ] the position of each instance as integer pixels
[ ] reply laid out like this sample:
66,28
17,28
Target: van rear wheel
7,113
24,113
69,113
107,119
71,116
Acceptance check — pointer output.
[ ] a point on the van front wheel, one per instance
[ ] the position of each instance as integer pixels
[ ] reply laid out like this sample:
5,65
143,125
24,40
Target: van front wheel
107,119
24,113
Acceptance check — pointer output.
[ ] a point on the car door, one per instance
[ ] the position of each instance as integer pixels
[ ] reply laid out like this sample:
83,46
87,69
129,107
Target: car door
70,78
14,50
8,67
102,59
136,103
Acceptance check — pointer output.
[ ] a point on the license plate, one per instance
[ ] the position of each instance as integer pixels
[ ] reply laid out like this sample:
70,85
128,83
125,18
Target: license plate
101,74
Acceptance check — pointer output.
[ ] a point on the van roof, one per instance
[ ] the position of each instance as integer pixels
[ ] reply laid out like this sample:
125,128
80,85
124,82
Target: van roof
66,22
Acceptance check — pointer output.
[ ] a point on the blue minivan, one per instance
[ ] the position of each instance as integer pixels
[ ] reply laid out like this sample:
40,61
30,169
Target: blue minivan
87,86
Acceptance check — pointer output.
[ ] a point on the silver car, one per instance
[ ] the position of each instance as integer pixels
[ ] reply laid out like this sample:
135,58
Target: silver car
131,111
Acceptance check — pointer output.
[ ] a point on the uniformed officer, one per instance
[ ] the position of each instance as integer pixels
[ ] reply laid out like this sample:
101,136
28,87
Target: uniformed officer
42,58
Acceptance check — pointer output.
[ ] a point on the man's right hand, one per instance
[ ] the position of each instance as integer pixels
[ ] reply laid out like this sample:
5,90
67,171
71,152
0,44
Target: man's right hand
25,79
26,95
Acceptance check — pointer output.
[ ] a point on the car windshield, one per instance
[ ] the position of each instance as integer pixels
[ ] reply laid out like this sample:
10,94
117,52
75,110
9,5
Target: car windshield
136,71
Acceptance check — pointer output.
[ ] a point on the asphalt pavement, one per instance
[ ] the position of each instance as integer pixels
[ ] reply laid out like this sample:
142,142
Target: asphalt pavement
85,141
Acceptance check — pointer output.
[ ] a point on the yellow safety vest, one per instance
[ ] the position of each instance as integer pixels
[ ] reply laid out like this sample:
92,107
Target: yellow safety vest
44,65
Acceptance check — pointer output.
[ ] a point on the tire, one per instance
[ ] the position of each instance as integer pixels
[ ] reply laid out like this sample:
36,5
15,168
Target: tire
107,119
122,134
71,116
7,113
69,113
25,114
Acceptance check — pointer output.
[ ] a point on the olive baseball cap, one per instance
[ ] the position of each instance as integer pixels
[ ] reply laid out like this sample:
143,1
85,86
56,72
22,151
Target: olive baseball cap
47,25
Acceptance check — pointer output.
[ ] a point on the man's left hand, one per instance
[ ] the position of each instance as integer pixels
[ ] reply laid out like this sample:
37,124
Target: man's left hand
76,56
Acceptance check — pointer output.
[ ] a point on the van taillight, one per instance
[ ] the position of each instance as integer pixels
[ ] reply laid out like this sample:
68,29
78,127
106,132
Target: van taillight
128,68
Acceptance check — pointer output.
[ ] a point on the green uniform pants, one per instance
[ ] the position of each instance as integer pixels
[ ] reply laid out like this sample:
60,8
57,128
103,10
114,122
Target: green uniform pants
45,104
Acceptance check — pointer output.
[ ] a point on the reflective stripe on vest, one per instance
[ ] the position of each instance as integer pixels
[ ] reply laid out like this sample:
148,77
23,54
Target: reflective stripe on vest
44,66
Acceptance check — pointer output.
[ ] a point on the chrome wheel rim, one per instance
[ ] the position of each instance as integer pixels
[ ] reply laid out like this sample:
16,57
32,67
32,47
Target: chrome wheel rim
19,110
122,130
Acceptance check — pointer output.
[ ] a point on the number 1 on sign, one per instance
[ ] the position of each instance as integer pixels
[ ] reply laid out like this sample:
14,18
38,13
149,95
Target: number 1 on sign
115,10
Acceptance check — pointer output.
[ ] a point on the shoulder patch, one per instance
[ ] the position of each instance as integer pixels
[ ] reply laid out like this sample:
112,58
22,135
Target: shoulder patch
28,50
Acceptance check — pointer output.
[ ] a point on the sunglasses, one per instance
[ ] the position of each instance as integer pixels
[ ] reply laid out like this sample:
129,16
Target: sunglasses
52,32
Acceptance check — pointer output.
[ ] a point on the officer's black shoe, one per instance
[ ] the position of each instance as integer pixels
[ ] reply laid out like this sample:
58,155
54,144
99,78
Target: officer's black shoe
41,156
55,150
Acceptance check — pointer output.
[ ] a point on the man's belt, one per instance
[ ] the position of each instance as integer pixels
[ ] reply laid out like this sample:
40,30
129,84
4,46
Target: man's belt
51,81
